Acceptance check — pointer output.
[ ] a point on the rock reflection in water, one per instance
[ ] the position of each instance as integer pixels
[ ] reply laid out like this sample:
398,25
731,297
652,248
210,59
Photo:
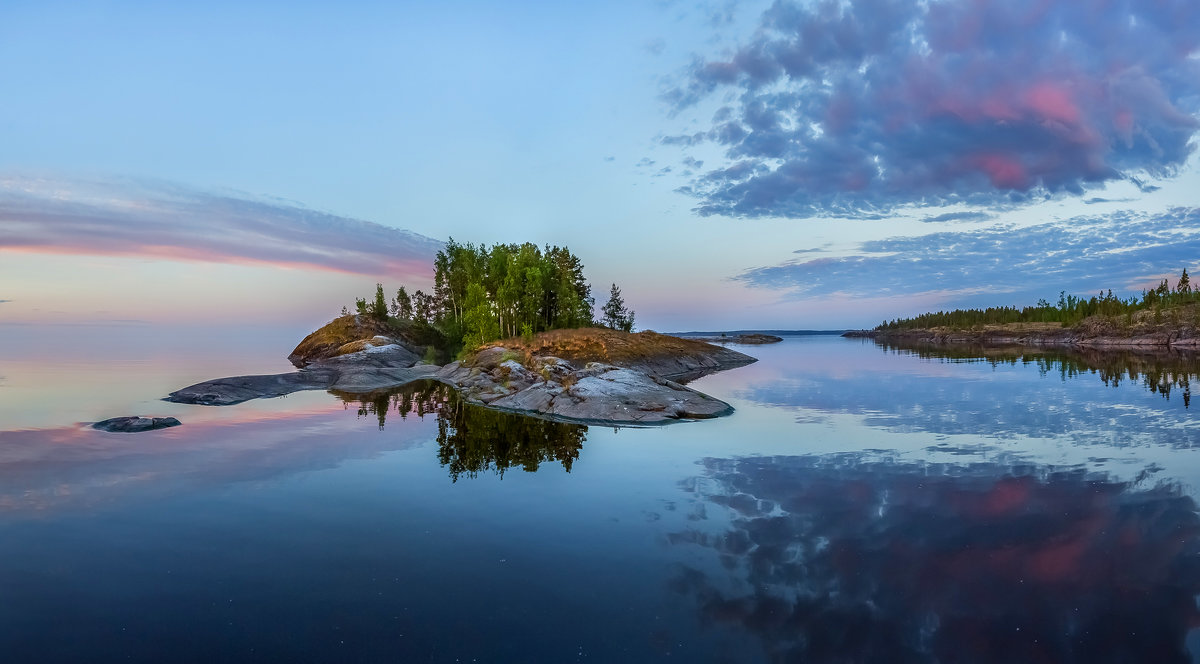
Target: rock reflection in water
835,559
472,439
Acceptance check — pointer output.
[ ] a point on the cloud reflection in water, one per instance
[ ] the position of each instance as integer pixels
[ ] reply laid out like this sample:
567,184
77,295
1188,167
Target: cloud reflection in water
844,559
1087,398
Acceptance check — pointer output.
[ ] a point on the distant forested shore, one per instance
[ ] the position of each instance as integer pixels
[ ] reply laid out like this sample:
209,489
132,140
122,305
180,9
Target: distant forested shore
1162,316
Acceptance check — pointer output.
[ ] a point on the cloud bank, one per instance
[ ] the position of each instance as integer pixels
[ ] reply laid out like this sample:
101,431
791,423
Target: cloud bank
855,108
160,220
1081,255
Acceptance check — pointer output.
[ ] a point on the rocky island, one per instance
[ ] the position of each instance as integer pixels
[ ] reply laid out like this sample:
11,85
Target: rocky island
519,320
586,375
745,339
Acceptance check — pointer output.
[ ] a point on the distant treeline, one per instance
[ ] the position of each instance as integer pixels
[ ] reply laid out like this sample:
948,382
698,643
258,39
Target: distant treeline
483,293
1068,311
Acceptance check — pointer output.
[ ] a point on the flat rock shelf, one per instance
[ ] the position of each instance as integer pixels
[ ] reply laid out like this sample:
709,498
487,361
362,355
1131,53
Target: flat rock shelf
638,380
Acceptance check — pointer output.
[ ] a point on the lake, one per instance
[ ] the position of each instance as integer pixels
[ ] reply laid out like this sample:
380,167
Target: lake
863,504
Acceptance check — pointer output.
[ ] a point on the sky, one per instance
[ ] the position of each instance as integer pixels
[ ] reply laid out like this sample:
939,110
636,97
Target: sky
729,164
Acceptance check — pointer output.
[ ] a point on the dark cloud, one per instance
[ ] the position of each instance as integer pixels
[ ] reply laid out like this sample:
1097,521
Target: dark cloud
1081,255
959,216
168,221
858,107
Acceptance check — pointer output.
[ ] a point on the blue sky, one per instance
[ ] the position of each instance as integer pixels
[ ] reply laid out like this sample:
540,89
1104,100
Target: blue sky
729,164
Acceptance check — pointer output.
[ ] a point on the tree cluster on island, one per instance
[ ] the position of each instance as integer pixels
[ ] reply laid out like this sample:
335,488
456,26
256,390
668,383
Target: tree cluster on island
483,293
1069,309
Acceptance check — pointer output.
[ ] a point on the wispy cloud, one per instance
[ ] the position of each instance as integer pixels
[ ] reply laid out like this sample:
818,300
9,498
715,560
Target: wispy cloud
1081,255
127,218
859,107
959,216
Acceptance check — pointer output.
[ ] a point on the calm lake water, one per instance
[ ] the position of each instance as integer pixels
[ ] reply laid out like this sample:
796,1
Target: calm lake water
863,504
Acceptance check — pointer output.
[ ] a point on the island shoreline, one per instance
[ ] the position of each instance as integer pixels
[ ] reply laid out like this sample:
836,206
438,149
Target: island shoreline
637,380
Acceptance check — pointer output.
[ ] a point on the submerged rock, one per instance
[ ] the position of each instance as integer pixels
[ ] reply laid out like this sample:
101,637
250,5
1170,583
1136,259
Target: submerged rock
347,376
236,389
135,424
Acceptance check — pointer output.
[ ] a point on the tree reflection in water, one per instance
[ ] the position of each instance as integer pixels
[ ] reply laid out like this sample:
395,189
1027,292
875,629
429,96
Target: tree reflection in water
835,559
1160,371
472,439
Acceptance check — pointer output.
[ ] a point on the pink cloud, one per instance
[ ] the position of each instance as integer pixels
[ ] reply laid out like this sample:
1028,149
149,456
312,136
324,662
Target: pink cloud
1070,94
171,223
1003,171
1053,102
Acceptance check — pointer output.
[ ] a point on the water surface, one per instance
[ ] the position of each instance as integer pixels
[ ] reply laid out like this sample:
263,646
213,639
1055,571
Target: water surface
862,504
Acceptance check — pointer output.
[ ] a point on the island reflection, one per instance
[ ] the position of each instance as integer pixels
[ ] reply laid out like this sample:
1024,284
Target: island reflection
473,439
1162,372
1105,399
839,559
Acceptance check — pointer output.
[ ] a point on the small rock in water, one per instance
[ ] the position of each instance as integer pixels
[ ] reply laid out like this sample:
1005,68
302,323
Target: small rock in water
135,424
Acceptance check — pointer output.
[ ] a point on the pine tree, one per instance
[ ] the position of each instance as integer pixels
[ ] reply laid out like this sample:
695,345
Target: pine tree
422,307
616,316
403,306
379,308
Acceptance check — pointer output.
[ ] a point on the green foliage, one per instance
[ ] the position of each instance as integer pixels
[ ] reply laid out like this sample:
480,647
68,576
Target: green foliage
616,316
483,293
379,307
1069,310
402,305
422,308
479,324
